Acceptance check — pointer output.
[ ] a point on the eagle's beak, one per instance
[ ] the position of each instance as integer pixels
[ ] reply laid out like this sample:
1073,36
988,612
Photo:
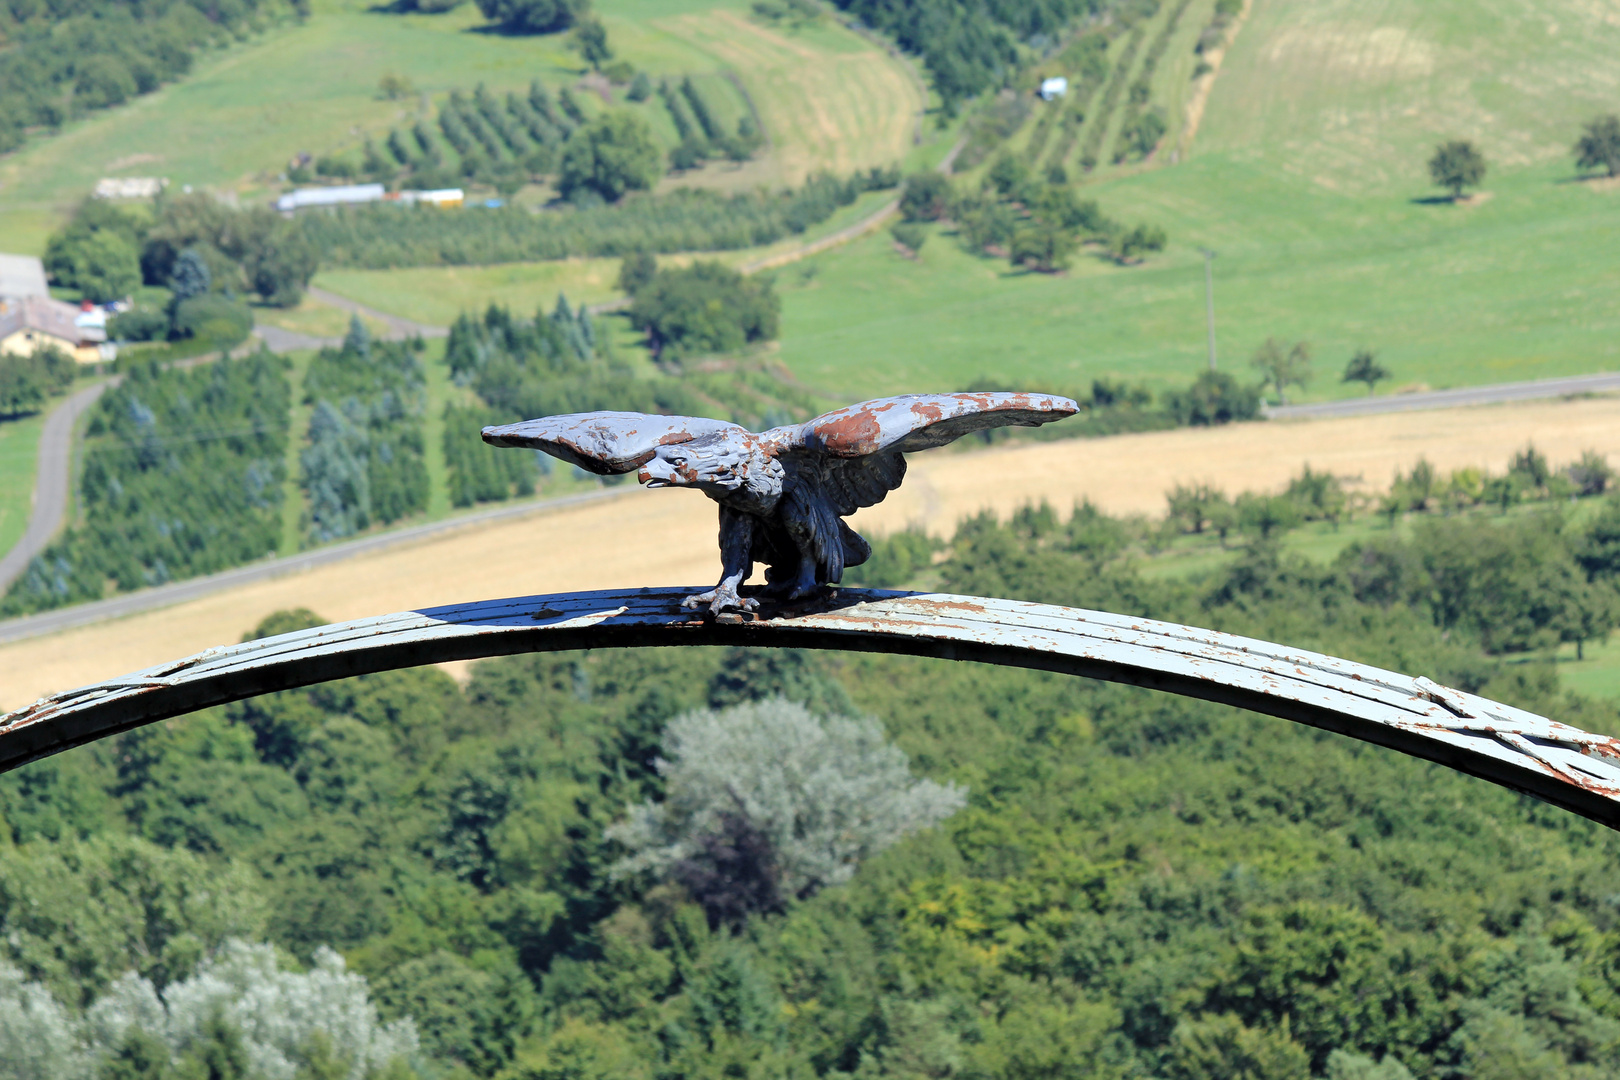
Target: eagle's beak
656,473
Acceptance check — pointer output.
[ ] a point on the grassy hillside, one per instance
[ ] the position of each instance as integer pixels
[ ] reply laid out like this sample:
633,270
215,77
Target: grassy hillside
828,99
1308,178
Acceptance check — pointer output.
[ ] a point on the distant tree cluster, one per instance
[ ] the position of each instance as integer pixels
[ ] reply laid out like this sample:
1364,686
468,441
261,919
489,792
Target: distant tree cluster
702,135
364,464
192,244
62,60
704,308
183,474
382,237
1030,221
968,47
1134,884
27,382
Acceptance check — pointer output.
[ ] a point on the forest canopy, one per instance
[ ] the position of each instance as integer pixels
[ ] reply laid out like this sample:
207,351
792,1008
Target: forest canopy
1116,883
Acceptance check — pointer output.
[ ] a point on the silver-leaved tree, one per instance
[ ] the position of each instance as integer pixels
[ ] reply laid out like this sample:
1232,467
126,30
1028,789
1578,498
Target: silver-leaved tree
765,801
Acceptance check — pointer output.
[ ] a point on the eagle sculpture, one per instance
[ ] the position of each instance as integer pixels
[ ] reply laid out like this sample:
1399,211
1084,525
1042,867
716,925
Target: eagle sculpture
782,492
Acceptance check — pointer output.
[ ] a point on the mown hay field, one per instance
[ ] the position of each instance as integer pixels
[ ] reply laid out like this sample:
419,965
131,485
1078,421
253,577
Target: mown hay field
662,537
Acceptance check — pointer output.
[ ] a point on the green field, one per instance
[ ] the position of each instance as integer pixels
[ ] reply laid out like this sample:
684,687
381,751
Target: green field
1512,288
828,99
19,450
1307,177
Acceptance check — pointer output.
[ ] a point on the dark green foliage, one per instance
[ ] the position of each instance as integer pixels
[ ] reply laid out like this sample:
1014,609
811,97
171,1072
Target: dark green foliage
27,382
895,560
534,16
611,155
703,308
480,472
1143,126
1214,398
926,196
381,237
77,913
219,320
635,272
97,253
968,48
1141,886
364,462
1456,165
909,235
1365,368
253,250
590,40
64,60
1599,146
142,1056
182,476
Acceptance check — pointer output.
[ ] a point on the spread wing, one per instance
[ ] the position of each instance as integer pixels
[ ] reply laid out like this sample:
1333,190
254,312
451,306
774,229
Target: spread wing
606,442
857,452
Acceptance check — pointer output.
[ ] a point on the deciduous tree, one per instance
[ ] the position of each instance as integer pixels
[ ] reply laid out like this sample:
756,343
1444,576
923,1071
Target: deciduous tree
1456,165
1599,146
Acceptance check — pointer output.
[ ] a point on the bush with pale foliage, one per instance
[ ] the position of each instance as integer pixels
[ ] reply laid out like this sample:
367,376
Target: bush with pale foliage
825,793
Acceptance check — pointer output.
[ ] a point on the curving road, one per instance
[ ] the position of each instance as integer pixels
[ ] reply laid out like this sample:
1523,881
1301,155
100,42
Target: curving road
53,482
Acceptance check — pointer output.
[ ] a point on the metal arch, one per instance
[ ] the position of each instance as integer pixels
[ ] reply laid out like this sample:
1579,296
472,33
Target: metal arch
1563,765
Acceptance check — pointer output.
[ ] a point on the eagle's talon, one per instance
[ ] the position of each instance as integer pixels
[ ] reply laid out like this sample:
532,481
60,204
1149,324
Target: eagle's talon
719,600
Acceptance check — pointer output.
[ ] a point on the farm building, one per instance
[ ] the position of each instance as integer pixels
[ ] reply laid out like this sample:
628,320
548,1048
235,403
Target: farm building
345,195
1054,88
30,323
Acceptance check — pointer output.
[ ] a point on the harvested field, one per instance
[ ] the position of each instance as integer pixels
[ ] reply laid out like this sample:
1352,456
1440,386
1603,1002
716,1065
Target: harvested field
658,538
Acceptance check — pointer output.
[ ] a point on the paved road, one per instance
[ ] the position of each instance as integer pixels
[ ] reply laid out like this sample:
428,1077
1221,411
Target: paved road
48,622
1538,389
52,482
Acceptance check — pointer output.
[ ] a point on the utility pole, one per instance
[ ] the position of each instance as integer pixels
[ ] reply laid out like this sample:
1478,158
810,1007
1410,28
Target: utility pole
1209,300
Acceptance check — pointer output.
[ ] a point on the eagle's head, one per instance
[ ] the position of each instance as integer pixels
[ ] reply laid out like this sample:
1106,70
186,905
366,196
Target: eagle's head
719,464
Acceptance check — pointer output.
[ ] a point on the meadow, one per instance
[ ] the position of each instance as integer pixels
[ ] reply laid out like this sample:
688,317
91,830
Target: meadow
1306,178
1510,287
19,451
828,99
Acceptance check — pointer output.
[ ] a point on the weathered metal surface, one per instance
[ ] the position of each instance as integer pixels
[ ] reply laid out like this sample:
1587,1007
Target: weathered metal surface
784,492
1561,764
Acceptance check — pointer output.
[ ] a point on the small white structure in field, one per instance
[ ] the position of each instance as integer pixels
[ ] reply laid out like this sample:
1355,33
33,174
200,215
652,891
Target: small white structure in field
130,187
1055,87
330,196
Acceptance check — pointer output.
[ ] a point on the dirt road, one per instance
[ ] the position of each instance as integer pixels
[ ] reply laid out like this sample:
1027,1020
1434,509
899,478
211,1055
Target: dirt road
665,537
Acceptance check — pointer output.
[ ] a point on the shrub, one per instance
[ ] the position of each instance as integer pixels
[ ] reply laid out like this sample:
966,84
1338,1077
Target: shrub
609,156
214,318
909,235
27,382
138,324
1214,398
534,16
705,308
926,196
799,797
